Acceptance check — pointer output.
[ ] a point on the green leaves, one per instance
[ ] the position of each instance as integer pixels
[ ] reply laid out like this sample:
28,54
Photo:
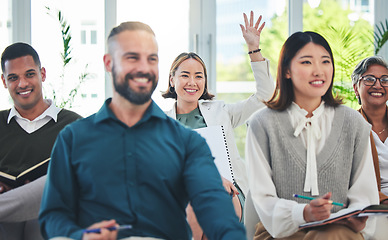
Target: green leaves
380,35
346,45
59,94
66,38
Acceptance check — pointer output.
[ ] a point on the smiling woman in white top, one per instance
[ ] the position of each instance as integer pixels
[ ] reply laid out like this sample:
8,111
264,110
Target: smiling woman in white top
307,143
195,107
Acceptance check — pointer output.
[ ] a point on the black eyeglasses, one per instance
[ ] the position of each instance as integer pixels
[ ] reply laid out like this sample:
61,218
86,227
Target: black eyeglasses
370,80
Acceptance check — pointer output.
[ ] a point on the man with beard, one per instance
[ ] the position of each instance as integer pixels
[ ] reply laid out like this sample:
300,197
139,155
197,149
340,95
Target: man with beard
130,164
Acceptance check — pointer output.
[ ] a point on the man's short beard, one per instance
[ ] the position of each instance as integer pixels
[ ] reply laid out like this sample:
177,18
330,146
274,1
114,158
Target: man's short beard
128,93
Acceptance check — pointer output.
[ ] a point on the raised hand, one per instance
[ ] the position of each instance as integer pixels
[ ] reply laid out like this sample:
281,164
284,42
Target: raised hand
250,32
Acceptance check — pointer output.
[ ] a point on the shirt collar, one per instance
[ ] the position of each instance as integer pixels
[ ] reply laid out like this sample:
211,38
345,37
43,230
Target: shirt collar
52,112
106,113
298,114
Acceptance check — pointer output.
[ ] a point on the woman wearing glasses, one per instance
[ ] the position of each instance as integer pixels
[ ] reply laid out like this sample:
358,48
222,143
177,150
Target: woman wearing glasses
370,83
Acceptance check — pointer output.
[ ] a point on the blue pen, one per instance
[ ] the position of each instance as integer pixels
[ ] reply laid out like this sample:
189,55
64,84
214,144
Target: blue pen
98,230
311,198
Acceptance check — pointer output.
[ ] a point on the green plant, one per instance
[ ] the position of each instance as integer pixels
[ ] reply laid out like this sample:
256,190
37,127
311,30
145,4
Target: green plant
345,42
62,99
380,35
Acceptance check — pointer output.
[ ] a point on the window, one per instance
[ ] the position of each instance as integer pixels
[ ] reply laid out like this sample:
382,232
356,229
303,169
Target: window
87,50
93,37
235,80
83,37
88,32
5,33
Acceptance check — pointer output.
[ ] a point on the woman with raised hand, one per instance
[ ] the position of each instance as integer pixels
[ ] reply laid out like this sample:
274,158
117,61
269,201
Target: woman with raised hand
195,107
305,142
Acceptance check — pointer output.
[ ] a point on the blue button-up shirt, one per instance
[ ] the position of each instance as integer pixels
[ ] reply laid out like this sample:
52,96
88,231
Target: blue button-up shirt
142,175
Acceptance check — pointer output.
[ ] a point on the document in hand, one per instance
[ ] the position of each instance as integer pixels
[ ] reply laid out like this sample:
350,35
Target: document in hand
215,138
29,174
371,210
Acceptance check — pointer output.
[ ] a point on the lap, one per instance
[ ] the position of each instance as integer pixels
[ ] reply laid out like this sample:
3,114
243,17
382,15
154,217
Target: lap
333,232
20,230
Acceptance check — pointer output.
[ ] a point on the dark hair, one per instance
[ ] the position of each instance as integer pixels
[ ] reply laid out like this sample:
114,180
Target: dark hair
284,92
17,50
174,66
128,26
363,66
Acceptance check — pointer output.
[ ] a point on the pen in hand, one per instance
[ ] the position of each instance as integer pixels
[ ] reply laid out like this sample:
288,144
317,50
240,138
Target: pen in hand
311,198
98,230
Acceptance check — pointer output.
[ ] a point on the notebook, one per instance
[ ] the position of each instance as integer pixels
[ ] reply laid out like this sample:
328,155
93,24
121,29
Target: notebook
30,174
216,139
371,210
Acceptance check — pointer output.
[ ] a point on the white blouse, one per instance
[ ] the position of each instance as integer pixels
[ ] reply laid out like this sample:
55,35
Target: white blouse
382,151
312,137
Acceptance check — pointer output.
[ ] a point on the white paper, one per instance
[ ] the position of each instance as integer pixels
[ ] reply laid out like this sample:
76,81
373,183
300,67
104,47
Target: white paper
215,138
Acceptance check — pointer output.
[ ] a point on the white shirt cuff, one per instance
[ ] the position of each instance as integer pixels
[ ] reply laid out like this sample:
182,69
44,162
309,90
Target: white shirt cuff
297,214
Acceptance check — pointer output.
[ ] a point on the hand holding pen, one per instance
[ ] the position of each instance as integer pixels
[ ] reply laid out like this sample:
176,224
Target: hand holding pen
114,228
104,230
318,208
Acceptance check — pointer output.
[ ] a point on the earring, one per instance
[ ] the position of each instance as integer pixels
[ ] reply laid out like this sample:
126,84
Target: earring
171,89
358,99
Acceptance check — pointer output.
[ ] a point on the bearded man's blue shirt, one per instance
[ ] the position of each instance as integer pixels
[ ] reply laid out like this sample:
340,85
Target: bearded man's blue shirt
143,175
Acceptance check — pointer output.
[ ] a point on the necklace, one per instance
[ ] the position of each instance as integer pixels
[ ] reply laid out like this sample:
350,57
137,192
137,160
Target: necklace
381,131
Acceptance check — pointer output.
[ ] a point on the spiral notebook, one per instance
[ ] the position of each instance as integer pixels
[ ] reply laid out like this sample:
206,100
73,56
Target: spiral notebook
216,139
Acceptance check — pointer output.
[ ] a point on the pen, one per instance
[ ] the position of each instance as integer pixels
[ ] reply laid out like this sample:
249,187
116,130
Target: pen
311,198
98,230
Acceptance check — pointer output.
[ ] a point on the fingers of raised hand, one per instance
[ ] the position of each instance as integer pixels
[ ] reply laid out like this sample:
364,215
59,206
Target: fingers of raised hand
251,19
242,28
246,20
258,22
261,27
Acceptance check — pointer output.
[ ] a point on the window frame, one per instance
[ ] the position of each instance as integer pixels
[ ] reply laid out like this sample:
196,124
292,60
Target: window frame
202,32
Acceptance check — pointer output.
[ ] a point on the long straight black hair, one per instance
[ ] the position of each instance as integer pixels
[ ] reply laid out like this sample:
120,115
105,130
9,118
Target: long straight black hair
284,90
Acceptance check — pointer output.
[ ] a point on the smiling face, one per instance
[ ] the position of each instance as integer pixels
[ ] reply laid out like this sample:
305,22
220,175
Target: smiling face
133,61
189,83
311,73
376,95
23,79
